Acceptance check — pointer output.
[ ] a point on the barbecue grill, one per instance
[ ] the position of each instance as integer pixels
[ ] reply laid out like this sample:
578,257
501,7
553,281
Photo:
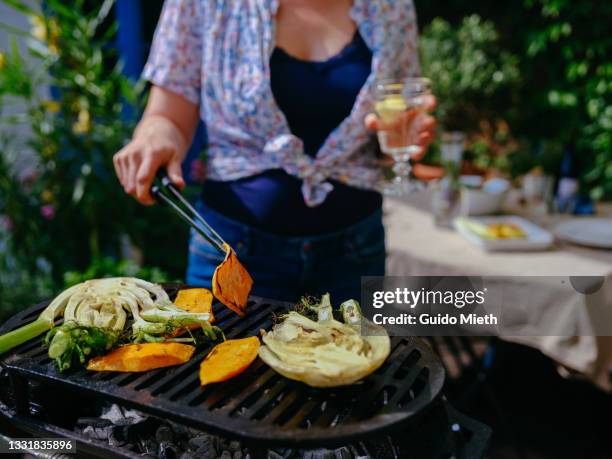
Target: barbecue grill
259,407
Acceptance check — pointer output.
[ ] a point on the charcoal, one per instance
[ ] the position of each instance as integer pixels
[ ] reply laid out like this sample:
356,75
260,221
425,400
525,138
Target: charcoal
226,455
206,451
123,416
283,452
149,446
204,440
343,453
96,423
234,446
118,436
167,451
144,429
274,455
97,433
237,455
187,455
183,431
320,454
164,434
204,446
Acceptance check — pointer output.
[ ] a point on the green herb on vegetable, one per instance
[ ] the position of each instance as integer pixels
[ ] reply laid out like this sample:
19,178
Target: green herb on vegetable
324,352
95,314
72,344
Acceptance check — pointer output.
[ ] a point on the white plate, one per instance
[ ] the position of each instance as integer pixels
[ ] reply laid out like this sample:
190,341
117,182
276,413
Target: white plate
536,238
591,232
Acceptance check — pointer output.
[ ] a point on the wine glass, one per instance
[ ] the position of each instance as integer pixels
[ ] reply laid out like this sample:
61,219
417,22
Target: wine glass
400,104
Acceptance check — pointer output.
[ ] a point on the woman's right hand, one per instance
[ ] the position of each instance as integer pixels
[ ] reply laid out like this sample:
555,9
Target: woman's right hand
157,143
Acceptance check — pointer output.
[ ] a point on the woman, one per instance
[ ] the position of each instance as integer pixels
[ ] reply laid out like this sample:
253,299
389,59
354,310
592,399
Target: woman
285,90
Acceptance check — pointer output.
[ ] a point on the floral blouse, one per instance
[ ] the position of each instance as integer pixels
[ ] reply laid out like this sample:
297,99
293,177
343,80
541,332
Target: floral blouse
216,54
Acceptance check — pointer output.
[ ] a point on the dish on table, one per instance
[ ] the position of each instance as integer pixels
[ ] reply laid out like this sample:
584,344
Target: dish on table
589,232
504,233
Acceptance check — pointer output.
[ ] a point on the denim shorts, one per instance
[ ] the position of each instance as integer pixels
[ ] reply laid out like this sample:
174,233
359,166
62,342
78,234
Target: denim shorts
287,267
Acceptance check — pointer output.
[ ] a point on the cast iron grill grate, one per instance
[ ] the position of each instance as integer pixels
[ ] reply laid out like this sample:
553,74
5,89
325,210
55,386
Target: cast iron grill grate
259,405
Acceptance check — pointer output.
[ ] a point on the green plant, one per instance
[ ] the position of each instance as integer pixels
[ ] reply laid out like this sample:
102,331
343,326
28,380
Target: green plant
20,285
546,156
468,69
75,209
564,96
576,35
109,267
57,183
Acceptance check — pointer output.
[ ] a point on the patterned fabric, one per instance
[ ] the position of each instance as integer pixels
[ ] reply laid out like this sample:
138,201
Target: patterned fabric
216,53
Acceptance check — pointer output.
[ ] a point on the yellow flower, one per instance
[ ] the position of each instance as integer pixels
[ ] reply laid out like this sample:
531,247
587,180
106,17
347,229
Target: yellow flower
83,123
46,196
51,106
2,60
39,28
49,150
46,31
53,49
54,32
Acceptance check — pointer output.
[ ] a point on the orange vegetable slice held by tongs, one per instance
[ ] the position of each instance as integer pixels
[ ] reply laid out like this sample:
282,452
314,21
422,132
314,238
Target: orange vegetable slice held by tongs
231,281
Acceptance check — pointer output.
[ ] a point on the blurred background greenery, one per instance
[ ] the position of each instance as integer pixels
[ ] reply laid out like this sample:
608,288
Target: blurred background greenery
528,81
556,58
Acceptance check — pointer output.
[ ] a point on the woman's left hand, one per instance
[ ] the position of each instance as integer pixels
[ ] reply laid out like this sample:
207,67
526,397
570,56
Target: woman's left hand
426,125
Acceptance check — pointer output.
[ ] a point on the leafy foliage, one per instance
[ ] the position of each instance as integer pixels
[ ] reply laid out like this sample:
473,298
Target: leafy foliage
20,286
468,70
58,190
577,34
472,77
564,98
109,267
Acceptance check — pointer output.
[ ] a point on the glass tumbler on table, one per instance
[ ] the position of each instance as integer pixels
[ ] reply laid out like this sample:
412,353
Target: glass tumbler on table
400,105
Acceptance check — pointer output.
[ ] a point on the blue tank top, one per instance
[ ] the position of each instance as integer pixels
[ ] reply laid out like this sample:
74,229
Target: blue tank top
315,98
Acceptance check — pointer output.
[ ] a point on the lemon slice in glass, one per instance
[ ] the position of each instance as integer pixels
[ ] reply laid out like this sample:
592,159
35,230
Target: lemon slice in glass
390,108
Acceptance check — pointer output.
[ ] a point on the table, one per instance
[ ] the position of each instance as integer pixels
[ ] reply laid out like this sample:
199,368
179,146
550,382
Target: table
416,247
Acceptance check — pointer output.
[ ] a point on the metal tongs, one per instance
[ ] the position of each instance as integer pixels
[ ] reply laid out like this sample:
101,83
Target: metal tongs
167,193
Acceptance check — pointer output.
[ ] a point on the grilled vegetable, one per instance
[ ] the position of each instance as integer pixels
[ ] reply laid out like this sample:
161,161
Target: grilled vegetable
197,300
142,357
71,344
106,304
326,352
228,359
232,283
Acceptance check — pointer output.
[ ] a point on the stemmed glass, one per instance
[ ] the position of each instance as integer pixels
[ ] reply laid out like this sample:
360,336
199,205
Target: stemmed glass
400,105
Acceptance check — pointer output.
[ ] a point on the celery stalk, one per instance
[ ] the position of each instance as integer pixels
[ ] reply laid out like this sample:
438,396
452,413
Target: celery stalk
22,334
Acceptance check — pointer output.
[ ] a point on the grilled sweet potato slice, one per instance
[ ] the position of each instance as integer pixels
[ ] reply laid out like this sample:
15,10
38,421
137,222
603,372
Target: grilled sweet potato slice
142,357
228,359
232,283
195,300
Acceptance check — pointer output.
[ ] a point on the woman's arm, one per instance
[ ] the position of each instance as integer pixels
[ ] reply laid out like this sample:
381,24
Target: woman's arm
161,139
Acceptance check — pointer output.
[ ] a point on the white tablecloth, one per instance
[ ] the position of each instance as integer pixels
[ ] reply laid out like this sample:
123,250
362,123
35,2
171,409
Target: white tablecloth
416,247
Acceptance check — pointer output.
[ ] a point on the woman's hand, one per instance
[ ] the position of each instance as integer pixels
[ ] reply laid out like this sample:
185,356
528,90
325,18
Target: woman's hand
160,140
424,127
157,143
